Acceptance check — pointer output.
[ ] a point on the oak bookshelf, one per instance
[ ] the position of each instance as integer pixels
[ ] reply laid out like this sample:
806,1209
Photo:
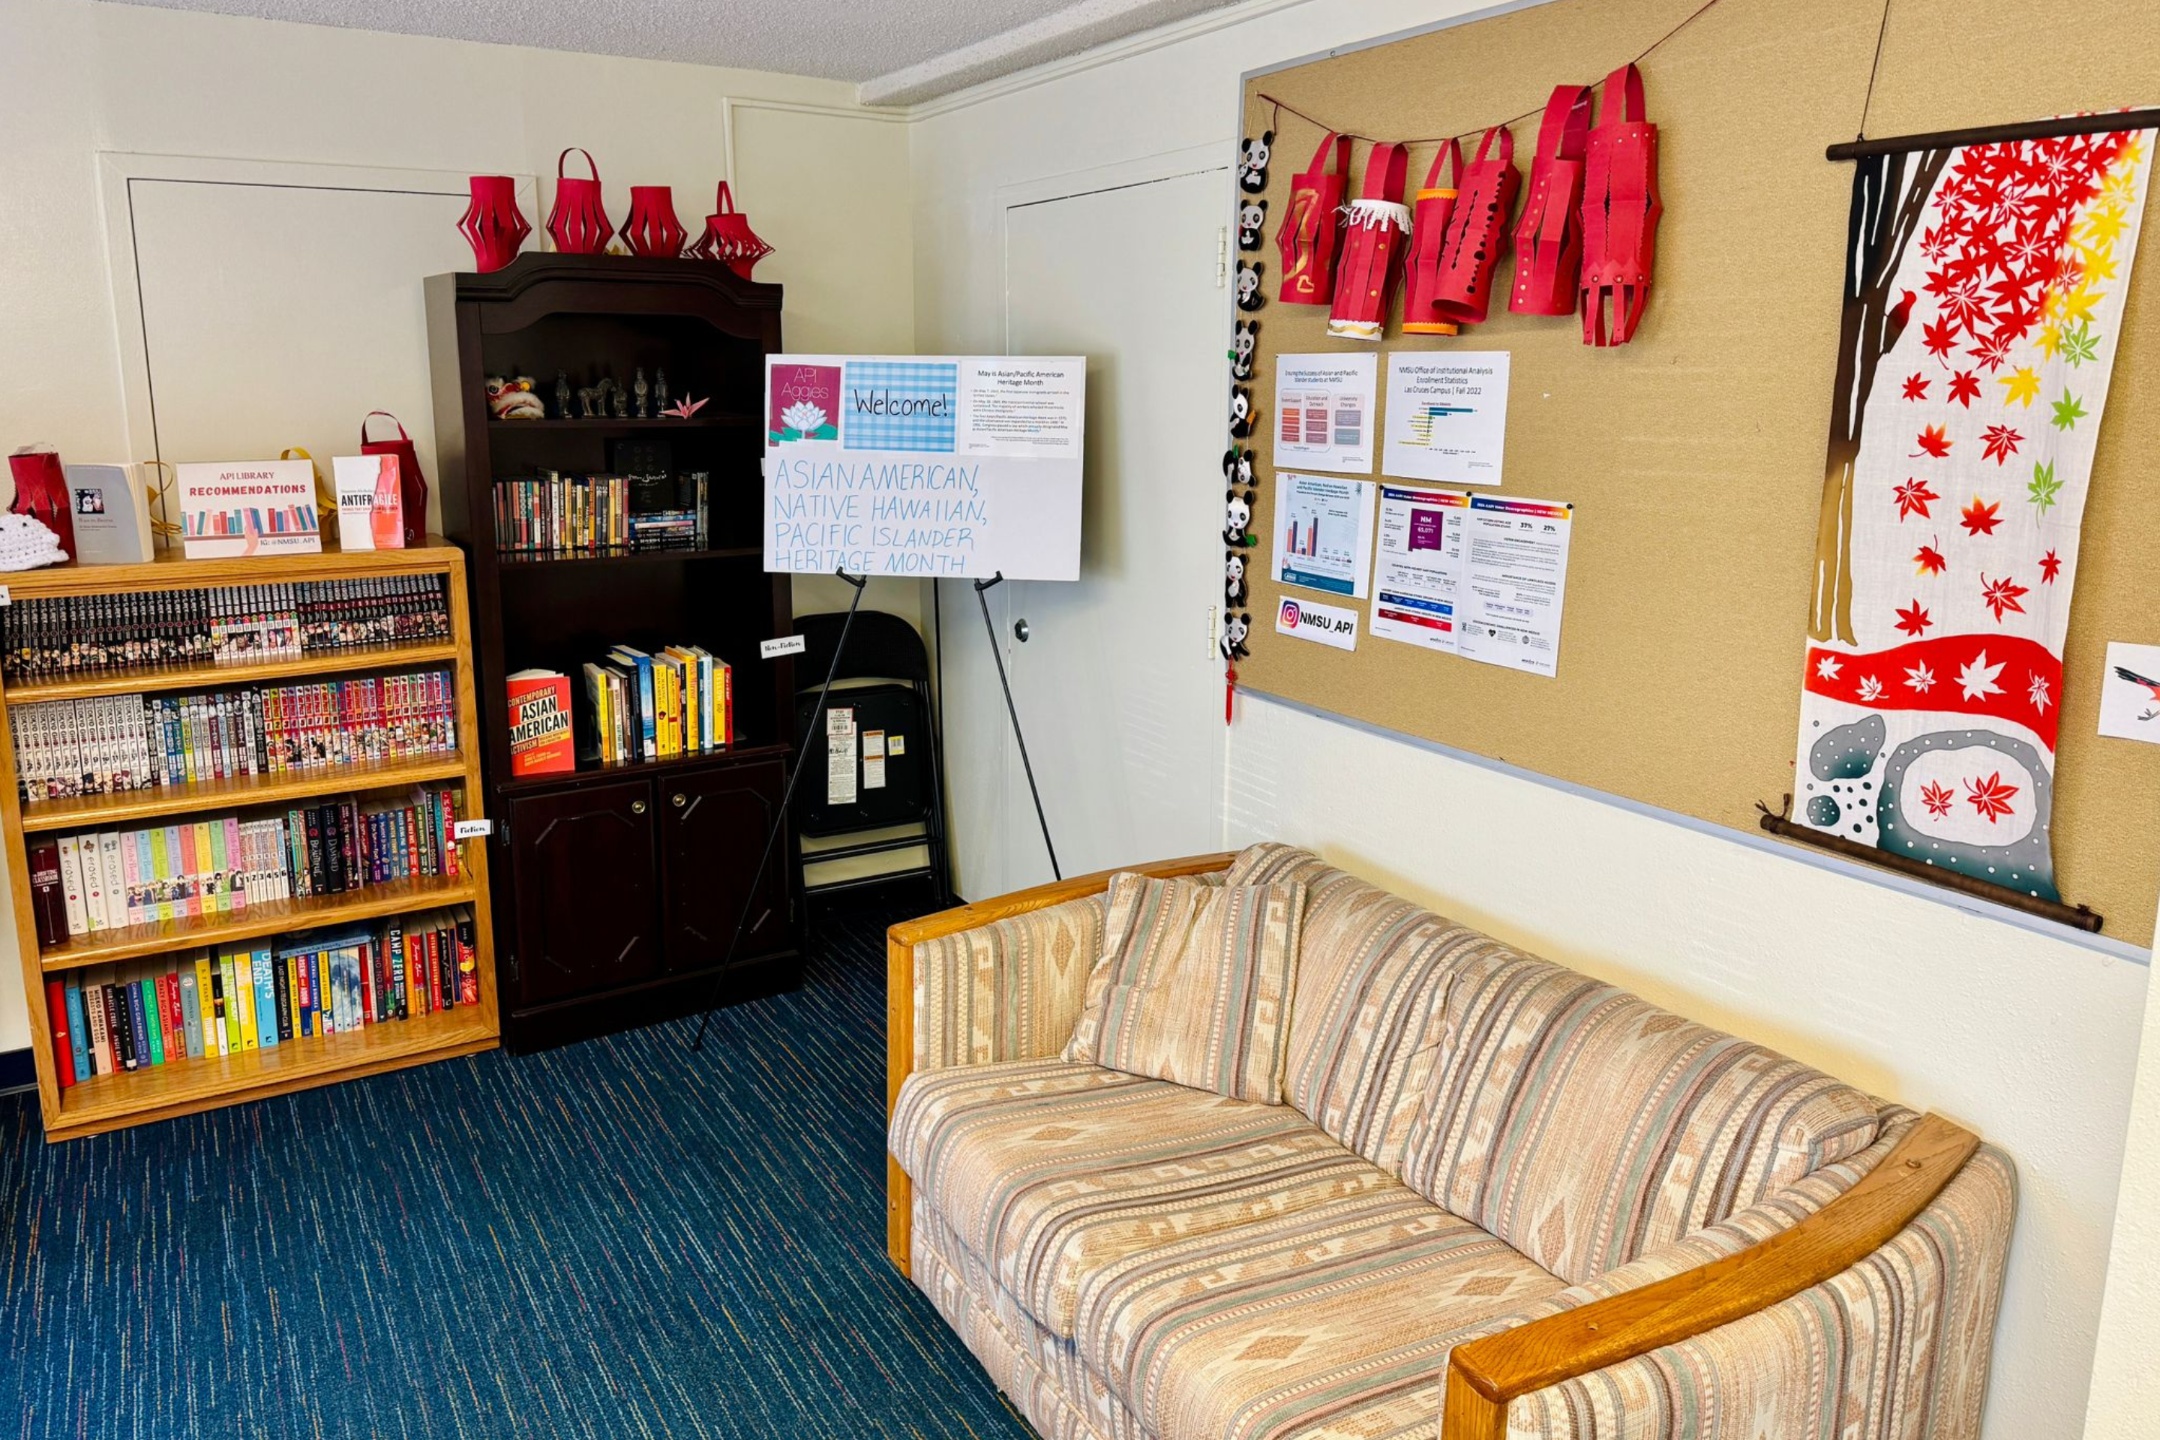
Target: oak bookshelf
185,1085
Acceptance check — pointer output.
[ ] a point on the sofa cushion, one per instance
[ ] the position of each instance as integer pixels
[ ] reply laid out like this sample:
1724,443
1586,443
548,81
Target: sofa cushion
1048,1170
1585,1126
1193,985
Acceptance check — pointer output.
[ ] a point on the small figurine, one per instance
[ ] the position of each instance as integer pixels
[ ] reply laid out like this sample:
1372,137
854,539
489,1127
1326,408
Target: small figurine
1248,284
588,402
1242,414
643,392
683,409
1251,215
659,392
1237,466
1234,580
1253,162
514,399
1241,352
1235,628
562,396
618,400
1237,515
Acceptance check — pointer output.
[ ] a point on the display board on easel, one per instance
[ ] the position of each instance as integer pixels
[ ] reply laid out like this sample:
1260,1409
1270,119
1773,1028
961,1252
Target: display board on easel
1692,457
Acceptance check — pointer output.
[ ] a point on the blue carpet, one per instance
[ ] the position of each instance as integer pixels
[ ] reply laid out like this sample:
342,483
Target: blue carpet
614,1239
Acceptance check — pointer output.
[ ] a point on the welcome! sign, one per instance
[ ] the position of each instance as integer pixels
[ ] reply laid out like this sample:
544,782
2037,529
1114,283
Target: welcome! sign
924,465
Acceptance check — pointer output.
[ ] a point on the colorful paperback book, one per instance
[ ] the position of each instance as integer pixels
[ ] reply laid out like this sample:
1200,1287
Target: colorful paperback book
191,1012
78,1029
110,509
371,513
265,1009
540,723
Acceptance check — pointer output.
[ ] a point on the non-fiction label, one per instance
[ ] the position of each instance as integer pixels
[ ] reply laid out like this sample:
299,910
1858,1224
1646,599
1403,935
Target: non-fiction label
781,645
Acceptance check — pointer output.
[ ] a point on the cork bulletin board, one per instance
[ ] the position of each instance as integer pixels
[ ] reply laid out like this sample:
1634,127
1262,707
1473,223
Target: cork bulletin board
1694,455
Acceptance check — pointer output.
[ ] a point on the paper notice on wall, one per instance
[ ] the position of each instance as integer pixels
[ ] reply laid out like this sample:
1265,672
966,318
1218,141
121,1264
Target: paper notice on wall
1417,566
1324,411
896,745
1021,406
1323,532
840,739
1446,416
873,759
1322,624
1514,582
2130,692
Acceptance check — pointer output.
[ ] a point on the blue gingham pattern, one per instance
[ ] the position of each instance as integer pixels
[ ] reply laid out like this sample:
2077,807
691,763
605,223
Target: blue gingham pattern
862,431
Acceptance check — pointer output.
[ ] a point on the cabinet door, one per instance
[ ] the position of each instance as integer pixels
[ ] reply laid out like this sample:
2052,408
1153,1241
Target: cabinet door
713,828
584,867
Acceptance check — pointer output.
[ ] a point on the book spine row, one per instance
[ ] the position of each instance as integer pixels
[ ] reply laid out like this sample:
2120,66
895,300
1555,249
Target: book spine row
563,515
112,879
112,1019
78,634
110,744
677,701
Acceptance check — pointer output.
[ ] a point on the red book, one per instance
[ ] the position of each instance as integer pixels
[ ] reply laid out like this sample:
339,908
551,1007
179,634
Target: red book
540,723
62,1038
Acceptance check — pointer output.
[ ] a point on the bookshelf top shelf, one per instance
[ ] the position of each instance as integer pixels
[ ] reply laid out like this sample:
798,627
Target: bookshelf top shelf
610,422
171,570
213,677
90,811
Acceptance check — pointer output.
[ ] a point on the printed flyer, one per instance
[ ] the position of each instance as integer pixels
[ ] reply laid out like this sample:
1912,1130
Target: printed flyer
1324,411
1323,533
1446,416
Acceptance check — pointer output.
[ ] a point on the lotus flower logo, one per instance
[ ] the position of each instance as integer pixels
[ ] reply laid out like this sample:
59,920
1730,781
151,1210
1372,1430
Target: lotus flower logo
802,417
802,403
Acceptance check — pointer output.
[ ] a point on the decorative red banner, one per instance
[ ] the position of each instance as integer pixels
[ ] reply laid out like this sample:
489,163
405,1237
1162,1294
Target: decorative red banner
2001,677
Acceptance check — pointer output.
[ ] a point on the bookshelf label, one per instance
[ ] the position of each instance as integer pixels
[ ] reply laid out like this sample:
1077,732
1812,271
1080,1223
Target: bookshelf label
472,829
773,649
5,598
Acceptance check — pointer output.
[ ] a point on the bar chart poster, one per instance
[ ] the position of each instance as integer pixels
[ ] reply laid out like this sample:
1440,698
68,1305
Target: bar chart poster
1323,533
1446,416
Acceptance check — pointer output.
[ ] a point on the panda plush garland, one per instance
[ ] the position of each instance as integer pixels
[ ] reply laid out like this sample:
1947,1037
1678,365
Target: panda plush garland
1249,294
1237,517
1243,416
1253,156
1236,627
1251,216
1237,466
1234,590
1243,348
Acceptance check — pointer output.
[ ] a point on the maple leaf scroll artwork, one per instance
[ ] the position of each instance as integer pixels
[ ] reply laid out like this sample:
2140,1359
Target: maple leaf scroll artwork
1984,292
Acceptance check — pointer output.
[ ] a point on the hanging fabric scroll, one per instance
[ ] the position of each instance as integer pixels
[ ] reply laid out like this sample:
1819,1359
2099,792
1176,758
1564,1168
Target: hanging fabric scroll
1984,293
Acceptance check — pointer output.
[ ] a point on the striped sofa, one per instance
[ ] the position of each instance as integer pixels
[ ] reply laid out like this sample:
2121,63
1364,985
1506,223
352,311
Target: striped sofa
1504,1200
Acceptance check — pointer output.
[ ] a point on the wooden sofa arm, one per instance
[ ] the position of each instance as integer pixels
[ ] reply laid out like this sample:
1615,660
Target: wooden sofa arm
1485,1374
900,943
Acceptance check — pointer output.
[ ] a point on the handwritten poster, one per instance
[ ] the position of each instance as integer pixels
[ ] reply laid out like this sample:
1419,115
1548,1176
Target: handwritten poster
1446,416
1324,411
924,465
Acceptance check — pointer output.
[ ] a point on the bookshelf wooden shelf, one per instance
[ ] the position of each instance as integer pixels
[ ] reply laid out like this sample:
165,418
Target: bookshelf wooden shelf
183,1085
215,677
86,811
272,917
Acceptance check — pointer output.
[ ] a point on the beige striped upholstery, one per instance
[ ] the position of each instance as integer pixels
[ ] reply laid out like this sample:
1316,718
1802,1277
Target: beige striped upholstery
1490,1138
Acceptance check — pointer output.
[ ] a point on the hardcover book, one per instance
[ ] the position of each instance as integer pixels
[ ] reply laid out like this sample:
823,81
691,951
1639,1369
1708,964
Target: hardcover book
540,723
251,507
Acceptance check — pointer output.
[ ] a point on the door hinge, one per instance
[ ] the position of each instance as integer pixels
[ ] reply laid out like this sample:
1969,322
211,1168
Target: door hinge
1222,257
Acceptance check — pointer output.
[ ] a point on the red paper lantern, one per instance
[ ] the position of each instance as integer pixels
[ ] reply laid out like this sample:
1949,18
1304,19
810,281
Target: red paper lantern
728,237
1477,231
1620,213
1372,248
1428,229
579,222
493,224
1548,237
1312,230
652,228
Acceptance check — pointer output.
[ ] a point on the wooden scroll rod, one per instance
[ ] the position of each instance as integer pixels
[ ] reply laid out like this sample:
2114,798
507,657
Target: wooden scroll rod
2077,917
2146,119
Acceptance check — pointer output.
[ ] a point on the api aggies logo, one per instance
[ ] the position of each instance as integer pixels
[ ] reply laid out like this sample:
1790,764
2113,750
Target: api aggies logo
1323,624
803,403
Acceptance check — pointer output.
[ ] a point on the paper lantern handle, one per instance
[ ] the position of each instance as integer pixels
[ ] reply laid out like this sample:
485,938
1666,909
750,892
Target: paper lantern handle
590,163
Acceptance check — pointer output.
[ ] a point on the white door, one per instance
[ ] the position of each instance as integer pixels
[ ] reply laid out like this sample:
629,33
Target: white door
1117,684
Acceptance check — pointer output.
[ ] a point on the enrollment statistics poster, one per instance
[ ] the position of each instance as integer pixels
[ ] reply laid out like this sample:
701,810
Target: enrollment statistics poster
1480,576
940,466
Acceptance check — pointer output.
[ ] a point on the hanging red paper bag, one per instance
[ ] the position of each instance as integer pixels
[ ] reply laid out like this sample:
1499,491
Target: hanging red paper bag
1548,237
1372,248
1477,230
579,221
412,485
1620,213
1312,230
1428,228
728,237
41,492
492,224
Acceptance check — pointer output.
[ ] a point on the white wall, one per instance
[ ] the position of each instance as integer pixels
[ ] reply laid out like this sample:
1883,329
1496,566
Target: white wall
2027,1037
2125,1383
78,78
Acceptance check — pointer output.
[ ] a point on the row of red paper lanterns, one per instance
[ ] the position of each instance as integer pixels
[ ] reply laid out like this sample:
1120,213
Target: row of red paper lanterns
495,227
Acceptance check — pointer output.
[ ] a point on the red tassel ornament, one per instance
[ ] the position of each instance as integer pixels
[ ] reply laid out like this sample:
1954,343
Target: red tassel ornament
652,228
578,223
1548,237
1372,248
1428,228
493,224
1477,231
1312,230
728,237
1620,213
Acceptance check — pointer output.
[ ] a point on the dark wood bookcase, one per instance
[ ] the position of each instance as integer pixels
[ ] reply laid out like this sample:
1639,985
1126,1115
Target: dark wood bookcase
619,885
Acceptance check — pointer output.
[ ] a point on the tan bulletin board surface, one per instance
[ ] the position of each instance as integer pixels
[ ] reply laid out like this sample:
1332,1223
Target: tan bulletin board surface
1694,456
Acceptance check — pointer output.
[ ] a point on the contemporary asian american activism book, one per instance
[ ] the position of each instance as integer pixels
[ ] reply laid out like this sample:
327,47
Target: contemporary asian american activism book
540,723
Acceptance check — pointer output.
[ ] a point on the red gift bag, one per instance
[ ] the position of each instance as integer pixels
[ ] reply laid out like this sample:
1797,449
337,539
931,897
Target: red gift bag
412,485
579,223
1312,231
1372,248
1548,237
1428,228
1620,213
41,492
1477,231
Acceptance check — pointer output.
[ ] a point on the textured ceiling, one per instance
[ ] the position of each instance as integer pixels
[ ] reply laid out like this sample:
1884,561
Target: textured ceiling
906,49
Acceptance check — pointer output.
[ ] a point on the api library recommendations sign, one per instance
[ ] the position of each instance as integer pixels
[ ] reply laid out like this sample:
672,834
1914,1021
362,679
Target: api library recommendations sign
924,465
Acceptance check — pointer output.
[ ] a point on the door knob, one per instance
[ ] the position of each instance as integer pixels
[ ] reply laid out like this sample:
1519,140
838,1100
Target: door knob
637,807
1020,630
678,800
